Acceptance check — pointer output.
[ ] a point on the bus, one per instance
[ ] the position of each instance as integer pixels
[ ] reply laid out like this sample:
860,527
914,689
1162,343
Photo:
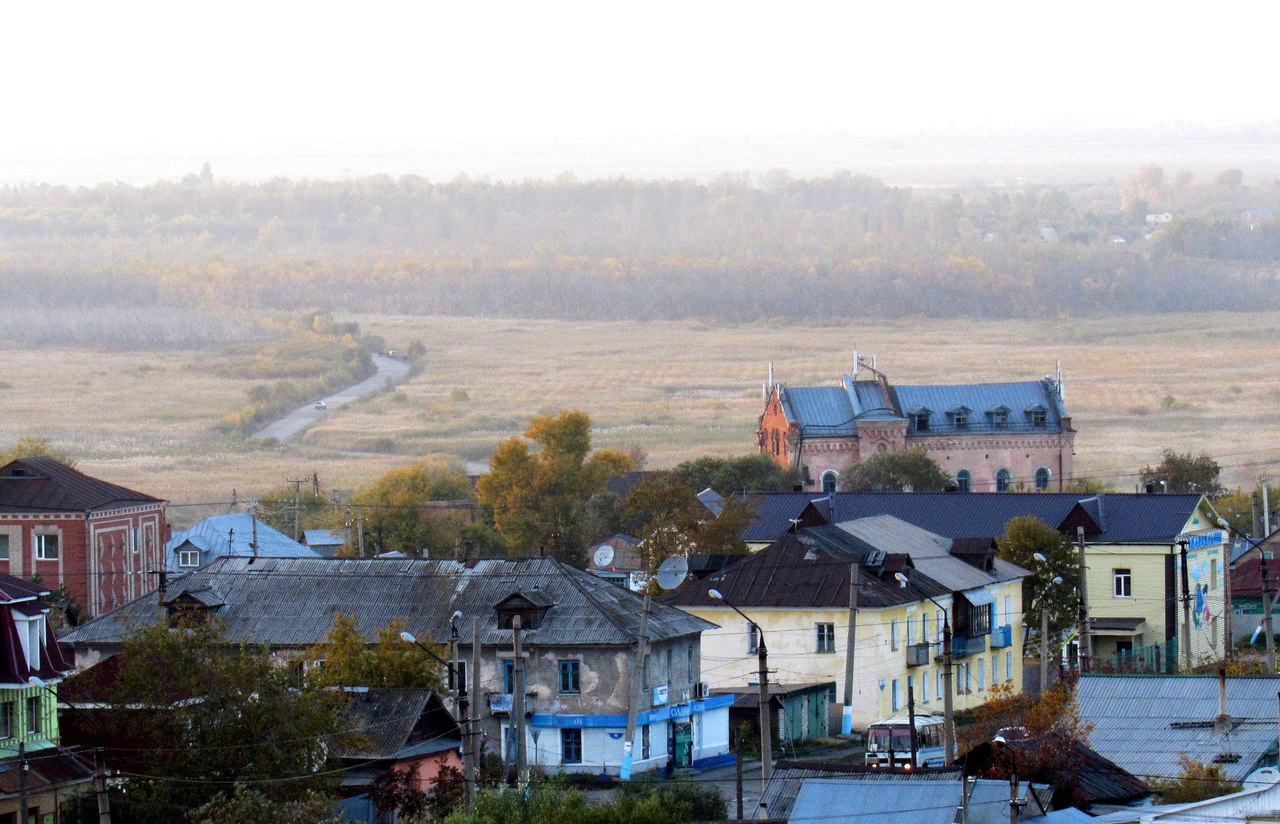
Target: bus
889,742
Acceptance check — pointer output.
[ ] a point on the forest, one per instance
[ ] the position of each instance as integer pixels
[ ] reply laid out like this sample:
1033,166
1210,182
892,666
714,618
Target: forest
93,265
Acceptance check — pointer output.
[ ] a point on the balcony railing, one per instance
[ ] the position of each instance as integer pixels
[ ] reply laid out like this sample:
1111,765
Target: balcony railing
962,645
1002,636
918,655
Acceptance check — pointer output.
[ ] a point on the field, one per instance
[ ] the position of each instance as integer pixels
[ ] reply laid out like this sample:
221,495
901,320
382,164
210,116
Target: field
1203,382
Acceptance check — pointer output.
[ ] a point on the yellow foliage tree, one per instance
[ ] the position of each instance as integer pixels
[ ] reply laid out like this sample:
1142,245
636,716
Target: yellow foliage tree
345,659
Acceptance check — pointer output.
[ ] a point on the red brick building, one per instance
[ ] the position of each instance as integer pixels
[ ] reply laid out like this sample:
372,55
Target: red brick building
989,437
98,539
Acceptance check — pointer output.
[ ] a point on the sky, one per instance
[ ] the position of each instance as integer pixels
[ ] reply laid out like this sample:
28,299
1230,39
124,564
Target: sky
160,82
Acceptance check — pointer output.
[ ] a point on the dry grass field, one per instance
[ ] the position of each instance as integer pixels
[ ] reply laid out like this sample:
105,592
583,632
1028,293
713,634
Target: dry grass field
1134,385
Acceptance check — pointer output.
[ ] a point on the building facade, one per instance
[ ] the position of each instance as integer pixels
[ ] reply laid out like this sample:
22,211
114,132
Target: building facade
99,540
995,437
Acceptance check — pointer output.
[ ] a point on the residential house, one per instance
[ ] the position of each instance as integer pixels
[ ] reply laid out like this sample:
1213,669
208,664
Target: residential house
97,539
910,584
579,645
237,533
798,712
325,542
994,437
31,762
1143,723
1133,557
404,730
618,559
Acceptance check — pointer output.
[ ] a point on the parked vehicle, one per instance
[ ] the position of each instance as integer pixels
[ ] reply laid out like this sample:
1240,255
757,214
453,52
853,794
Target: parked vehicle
321,405
889,742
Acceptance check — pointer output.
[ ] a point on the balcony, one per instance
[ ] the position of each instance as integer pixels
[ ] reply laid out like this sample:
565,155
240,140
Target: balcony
1002,636
918,655
962,645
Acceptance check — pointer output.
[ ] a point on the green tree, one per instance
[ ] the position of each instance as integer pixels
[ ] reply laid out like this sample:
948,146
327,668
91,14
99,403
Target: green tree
276,507
1195,782
537,497
246,804
892,471
1026,535
212,713
745,473
33,446
345,659
402,511
667,517
1184,472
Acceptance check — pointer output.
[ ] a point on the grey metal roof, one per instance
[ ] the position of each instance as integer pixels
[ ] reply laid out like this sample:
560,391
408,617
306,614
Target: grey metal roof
930,553
1142,722
780,793
820,410
902,801
386,721
233,534
292,601
979,398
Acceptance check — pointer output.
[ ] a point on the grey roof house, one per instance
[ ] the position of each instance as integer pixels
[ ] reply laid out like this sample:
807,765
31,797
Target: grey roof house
581,636
236,533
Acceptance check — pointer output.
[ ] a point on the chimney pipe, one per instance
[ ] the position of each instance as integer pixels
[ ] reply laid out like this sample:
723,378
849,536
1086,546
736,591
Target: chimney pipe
162,581
1223,722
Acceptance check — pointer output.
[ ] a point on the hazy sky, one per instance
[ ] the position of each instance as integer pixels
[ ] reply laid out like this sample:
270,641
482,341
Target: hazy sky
87,80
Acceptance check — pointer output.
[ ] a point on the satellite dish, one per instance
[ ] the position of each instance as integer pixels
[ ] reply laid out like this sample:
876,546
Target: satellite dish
604,555
673,572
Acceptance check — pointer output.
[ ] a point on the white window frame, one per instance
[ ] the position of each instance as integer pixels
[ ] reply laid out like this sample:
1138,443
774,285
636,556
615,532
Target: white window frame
753,639
42,546
893,696
6,545
30,634
832,476
825,637
1122,582
924,687
1008,665
893,634
187,556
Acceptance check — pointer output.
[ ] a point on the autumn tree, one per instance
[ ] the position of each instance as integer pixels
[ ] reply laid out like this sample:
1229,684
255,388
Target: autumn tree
1184,472
1025,536
345,659
294,508
403,512
1194,782
666,515
894,471
537,496
745,473
33,446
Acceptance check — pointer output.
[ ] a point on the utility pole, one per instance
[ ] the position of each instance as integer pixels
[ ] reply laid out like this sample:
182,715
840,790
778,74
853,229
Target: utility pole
455,675
850,644
1086,644
1186,606
634,689
360,530
1266,508
911,721
948,706
297,504
738,767
1266,614
766,728
472,763
1044,644
517,705
23,813
100,785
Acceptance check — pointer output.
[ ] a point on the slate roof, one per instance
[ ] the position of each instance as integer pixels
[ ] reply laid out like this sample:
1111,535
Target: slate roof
930,553
42,484
398,723
1142,722
810,569
291,602
900,801
232,534
47,770
16,589
1107,518
780,793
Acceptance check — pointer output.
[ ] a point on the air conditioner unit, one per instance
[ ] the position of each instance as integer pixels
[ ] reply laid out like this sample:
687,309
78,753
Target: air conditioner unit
702,690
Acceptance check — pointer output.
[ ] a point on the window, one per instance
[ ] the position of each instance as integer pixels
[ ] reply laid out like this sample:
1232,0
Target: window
1008,666
963,479
829,479
940,693
47,547
911,688
924,686
893,635
1008,609
189,558
4,547
137,539
982,669
1039,417
1042,479
1003,480
644,742
942,625
33,715
921,421
753,638
894,696
911,631
570,677
6,720
571,746
924,627
995,668
961,418
1122,581
826,637
1213,573
1000,417
508,676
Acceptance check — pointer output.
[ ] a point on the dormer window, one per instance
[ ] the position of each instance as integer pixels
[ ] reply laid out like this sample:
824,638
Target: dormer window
920,418
1038,414
999,415
960,417
530,606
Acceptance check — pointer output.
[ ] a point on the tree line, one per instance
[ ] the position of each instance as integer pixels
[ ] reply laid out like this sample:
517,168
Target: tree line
842,246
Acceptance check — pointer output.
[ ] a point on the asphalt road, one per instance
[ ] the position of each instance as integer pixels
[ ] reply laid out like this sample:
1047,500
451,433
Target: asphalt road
390,370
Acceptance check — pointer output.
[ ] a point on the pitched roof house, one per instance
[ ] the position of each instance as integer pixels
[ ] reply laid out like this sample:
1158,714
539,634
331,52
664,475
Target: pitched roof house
581,636
990,437
237,533
98,539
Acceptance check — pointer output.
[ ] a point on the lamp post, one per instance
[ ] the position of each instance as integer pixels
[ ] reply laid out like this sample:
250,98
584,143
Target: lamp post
1044,624
460,694
766,733
948,706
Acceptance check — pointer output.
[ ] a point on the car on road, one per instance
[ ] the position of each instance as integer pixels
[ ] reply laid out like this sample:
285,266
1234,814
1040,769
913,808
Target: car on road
321,405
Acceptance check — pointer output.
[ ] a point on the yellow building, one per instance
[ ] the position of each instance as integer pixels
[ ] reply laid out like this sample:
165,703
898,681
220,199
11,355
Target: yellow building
909,583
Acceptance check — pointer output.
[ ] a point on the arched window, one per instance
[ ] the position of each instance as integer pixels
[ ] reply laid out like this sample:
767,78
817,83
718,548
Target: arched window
829,479
1042,479
963,479
777,442
1003,479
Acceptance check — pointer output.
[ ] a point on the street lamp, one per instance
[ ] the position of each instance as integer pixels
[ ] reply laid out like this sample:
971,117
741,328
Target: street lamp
1044,624
461,702
766,733
948,706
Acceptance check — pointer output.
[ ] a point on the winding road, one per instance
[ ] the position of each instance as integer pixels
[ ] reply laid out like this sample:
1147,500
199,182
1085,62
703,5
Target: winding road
390,371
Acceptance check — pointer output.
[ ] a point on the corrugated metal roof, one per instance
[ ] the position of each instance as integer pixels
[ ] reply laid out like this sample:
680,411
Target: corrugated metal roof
292,601
979,399
1129,518
859,800
386,721
233,534
930,553
42,484
820,410
1142,723
780,793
